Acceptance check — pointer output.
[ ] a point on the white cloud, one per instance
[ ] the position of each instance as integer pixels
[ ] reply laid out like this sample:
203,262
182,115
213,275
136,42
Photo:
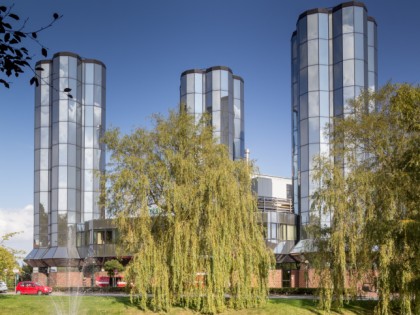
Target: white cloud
18,220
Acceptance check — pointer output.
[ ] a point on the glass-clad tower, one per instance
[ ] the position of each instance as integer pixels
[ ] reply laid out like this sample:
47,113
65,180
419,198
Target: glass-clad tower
217,91
334,58
68,154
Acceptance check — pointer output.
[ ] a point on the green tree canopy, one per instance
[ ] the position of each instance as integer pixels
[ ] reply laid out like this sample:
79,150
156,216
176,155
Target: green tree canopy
371,189
187,215
113,265
8,259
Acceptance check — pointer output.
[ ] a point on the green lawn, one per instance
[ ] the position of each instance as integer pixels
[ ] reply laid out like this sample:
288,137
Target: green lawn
61,305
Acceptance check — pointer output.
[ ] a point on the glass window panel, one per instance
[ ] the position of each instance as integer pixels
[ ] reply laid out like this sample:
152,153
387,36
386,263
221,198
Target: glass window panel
88,73
198,83
71,180
372,84
236,88
313,130
62,177
44,159
64,83
64,66
323,51
63,129
338,102
88,100
216,101
358,19
338,49
313,104
89,137
348,46
303,55
348,72
44,180
62,155
312,52
183,85
54,157
45,94
338,75
71,199
98,74
303,82
71,155
88,158
63,110
190,83
323,126
337,23
216,120
323,25
198,103
312,21
324,104
313,152
216,79
72,110
190,103
88,201
348,24
360,73
97,116
371,34
302,30
304,132
313,78
304,162
359,46
71,215
97,100
208,81
224,80
88,115
62,199
323,78
303,106
304,184
72,67
36,181
88,182
371,59
44,137
348,96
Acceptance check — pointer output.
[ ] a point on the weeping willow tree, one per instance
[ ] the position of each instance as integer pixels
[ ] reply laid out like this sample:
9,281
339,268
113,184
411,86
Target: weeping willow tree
187,216
371,188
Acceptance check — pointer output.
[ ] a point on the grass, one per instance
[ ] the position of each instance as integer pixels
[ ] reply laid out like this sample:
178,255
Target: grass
83,305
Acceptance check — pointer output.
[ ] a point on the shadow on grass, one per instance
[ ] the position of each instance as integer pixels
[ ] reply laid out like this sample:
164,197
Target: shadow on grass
310,305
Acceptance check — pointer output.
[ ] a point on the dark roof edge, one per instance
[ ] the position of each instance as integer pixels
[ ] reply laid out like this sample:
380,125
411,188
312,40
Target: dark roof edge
219,68
372,19
349,4
293,35
66,53
98,62
313,11
237,77
192,71
43,61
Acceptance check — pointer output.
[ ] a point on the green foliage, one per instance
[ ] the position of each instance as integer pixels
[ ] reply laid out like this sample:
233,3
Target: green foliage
186,213
371,189
7,257
14,57
111,265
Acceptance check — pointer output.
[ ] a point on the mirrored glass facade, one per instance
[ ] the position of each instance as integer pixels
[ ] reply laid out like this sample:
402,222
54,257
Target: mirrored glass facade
334,58
68,154
217,91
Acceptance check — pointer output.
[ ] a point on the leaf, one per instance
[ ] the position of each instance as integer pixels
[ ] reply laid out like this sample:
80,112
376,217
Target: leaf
67,90
44,52
55,16
39,69
70,96
34,35
3,8
34,80
7,37
4,83
14,16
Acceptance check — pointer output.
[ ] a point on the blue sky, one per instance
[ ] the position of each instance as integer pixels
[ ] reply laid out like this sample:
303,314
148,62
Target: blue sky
147,44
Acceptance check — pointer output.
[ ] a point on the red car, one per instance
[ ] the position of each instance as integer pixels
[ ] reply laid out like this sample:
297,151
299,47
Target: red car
30,287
